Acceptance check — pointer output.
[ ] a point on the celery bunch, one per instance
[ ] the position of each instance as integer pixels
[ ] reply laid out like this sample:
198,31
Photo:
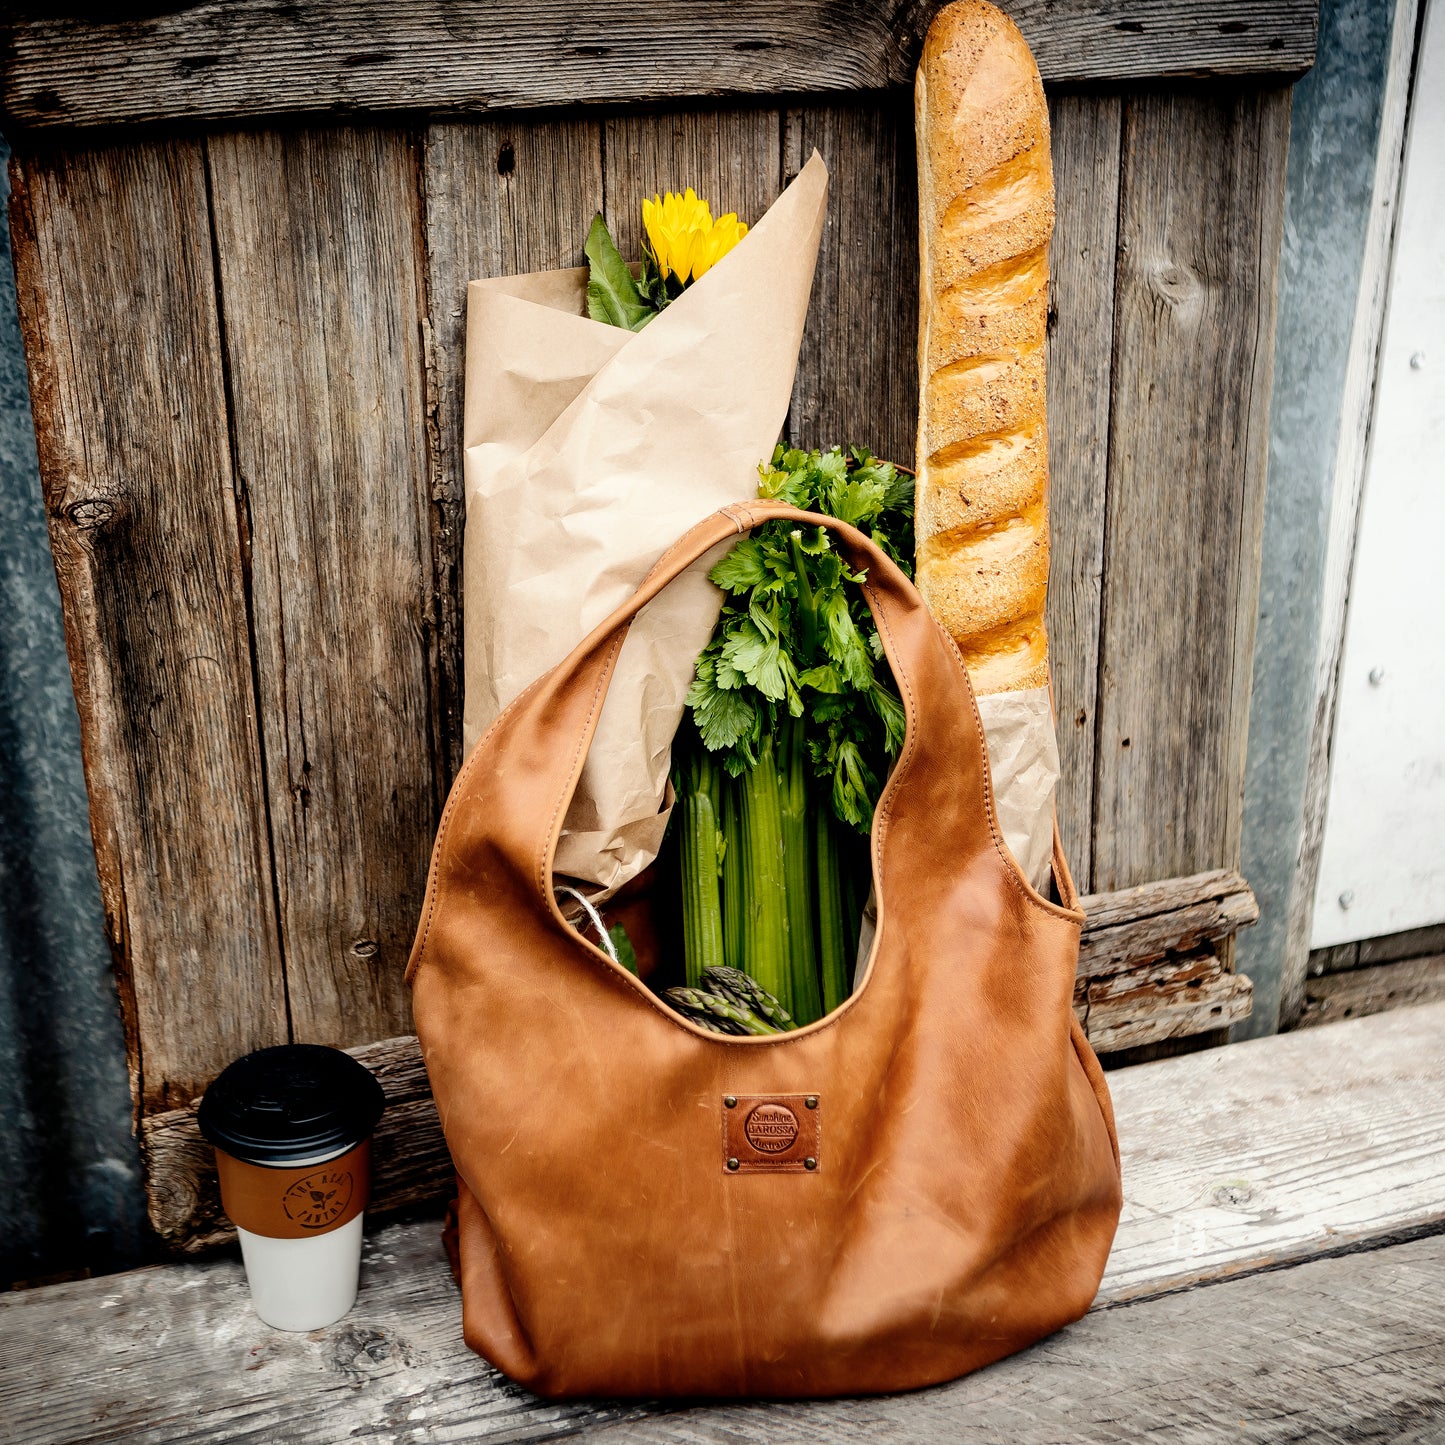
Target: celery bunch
791,725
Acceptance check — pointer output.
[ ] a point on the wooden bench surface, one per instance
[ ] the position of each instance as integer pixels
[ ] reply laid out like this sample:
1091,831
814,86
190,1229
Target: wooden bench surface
1322,1150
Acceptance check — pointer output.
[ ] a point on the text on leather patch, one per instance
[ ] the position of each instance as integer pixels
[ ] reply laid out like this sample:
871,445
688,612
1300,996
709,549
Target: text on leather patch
771,1133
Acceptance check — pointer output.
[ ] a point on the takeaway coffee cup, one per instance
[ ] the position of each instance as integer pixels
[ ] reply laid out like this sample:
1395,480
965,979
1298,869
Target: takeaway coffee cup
292,1128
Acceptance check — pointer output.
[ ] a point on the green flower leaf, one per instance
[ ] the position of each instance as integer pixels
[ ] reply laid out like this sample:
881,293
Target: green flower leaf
613,296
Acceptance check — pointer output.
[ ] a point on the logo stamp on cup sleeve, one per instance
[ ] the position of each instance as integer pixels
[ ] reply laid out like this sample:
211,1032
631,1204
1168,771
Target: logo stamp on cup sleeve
319,1199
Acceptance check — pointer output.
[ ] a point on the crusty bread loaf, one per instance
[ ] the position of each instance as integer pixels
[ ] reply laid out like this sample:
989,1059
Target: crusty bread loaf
985,214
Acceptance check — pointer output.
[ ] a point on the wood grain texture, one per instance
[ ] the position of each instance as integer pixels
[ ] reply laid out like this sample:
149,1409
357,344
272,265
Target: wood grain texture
1334,960
1235,1163
1361,992
1150,900
502,198
732,157
1412,943
1282,1148
1156,966
117,303
1388,948
1201,216
1172,984
221,60
322,297
1173,999
1137,926
857,378
1339,1350
1085,144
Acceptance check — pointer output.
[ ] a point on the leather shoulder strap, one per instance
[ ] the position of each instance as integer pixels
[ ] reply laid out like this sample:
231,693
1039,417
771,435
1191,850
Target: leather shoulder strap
506,807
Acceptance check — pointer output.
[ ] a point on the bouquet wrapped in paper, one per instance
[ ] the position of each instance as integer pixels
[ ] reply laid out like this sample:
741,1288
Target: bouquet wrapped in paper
590,449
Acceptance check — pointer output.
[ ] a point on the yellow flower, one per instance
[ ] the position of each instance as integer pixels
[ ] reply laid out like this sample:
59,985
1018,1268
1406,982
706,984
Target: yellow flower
726,232
684,238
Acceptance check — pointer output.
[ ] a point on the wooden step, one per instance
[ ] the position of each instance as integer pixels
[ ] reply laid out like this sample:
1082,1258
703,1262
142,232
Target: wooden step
1279,1149
1301,1149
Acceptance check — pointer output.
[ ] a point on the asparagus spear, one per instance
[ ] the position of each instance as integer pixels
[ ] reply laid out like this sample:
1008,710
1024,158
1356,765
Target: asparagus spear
715,1012
748,993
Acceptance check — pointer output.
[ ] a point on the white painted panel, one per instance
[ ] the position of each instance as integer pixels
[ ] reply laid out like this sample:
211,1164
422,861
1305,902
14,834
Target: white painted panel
1382,868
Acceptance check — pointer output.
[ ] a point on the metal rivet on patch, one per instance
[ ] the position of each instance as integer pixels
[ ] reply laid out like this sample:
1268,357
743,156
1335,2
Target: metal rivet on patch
732,1164
811,1101
810,1163
731,1100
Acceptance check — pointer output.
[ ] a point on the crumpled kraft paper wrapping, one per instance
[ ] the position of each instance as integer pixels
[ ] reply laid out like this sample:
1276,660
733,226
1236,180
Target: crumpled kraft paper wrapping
589,451
1023,756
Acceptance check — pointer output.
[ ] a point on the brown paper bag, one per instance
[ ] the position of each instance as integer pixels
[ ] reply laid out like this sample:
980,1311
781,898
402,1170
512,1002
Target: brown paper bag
589,450
1023,757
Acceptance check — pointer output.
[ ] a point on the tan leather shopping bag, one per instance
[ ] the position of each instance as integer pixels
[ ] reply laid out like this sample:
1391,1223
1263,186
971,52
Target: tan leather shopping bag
920,1183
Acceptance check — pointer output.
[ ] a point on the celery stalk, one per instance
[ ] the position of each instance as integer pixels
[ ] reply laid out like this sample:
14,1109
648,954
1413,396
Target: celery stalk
856,854
764,878
833,911
702,925
734,921
806,1003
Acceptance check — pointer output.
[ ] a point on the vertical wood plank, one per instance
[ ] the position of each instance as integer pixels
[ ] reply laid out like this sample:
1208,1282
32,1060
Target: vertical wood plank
1201,216
1081,343
117,300
732,158
502,198
318,238
857,371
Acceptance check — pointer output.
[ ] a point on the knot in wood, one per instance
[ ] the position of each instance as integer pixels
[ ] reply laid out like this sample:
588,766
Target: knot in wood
90,513
360,1351
1234,1195
1177,287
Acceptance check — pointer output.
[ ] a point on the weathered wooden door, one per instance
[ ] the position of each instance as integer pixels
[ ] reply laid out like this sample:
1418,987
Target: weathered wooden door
243,233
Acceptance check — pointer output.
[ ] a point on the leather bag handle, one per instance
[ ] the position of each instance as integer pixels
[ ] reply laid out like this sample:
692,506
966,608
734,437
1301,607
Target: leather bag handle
507,805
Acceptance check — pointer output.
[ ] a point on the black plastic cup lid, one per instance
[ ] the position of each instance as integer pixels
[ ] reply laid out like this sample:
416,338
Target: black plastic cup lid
292,1102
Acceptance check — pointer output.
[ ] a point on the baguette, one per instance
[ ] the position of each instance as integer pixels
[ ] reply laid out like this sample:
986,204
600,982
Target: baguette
985,215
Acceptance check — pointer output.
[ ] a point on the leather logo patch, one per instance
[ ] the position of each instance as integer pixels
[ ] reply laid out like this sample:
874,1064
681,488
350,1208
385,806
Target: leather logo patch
771,1133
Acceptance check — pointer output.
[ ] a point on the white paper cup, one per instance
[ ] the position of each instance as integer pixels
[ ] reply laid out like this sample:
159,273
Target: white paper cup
292,1129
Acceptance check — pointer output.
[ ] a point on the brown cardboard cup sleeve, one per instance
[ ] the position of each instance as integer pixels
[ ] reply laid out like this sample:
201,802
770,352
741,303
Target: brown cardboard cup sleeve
295,1203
